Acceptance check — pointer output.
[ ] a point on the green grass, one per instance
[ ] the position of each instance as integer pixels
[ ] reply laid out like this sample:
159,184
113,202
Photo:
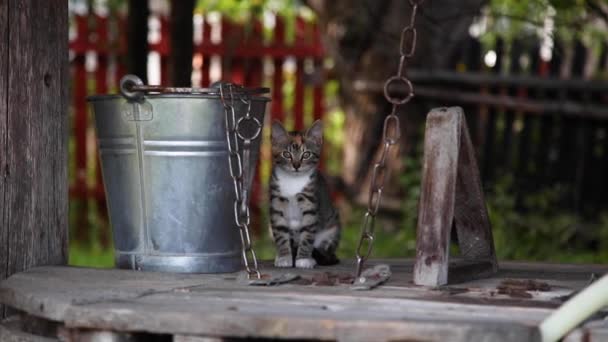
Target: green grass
92,256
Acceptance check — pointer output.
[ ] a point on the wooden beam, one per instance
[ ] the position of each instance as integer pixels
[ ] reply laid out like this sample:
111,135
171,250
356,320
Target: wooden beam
538,107
4,34
33,134
479,79
451,196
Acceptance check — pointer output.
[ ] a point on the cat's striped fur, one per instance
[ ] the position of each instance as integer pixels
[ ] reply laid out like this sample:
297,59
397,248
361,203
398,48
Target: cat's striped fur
304,223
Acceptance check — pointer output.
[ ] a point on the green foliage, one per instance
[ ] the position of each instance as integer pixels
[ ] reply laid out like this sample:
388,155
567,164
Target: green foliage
392,238
333,124
541,230
91,256
239,10
573,19
89,250
243,11
392,242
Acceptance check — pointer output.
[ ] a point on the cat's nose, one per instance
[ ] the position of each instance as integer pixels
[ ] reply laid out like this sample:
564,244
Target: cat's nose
296,166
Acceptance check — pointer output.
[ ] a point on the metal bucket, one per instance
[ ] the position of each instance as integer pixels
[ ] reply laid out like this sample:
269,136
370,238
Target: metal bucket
164,160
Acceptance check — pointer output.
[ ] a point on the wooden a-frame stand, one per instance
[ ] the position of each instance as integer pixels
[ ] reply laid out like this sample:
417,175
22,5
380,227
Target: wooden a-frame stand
451,196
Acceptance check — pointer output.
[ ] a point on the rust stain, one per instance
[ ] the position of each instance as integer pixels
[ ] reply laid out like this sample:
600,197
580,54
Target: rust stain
527,284
519,288
325,279
301,281
514,293
451,291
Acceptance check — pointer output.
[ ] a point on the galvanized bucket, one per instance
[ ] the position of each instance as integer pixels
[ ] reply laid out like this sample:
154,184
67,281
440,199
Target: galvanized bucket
165,166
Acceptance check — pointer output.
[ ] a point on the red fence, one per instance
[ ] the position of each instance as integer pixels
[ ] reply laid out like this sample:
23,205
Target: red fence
244,54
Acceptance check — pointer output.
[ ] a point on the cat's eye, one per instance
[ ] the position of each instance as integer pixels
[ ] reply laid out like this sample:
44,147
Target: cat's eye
286,155
306,155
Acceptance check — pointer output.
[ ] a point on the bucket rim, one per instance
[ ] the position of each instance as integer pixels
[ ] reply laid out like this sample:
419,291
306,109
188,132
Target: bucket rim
102,97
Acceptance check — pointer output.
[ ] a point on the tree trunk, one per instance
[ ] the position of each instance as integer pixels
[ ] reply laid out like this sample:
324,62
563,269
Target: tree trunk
181,42
137,37
33,135
363,39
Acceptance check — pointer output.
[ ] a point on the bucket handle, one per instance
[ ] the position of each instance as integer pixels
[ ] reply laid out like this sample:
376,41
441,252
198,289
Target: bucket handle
134,89
136,108
127,85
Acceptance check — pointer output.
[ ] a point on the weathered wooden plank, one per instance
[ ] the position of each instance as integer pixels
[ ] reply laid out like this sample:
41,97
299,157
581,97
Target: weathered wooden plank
188,338
222,305
3,133
594,331
285,326
10,335
451,196
437,197
33,134
121,284
13,329
470,212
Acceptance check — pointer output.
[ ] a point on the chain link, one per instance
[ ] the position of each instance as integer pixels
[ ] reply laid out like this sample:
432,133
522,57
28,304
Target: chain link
239,168
390,136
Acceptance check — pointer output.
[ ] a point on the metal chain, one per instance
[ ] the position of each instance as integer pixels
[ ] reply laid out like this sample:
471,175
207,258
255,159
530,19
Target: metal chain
240,178
390,136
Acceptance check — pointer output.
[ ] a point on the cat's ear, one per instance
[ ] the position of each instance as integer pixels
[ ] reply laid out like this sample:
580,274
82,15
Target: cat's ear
315,132
279,133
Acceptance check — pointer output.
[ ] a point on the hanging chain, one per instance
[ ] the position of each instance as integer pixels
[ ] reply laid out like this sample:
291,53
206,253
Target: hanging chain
390,136
239,171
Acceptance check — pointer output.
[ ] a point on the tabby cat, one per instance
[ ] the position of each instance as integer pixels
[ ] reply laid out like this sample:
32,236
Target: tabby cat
305,225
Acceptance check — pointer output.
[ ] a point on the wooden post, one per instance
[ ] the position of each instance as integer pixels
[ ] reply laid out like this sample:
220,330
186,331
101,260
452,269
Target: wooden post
451,196
137,37
33,134
181,43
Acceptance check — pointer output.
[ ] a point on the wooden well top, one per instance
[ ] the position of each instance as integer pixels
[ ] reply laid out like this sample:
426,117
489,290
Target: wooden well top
506,307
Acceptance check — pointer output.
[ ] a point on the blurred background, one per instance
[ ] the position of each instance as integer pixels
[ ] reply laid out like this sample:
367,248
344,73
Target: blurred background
530,75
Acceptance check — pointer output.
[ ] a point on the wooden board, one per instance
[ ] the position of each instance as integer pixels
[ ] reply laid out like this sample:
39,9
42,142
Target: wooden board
224,306
451,197
33,134
16,329
592,331
3,146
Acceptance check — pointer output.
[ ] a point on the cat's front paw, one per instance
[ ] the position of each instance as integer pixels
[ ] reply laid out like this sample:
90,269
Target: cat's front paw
306,263
283,261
